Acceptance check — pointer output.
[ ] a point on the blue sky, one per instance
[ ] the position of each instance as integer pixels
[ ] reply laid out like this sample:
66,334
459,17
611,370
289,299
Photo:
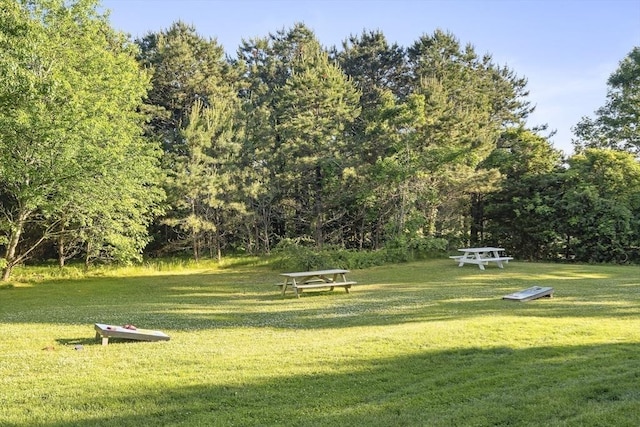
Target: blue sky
565,48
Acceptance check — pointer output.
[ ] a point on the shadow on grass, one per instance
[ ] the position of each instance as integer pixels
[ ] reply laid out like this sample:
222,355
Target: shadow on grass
78,341
564,385
419,292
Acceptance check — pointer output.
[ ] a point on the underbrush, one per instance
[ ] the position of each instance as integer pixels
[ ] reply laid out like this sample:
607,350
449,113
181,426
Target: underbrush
301,254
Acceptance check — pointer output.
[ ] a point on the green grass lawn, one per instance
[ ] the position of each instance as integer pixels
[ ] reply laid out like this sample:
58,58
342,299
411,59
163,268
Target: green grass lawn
419,344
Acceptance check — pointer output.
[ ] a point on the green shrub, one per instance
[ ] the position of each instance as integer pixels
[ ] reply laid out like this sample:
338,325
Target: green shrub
302,255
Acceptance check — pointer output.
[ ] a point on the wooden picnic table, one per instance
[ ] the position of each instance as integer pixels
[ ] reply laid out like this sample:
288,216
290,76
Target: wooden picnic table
298,281
481,257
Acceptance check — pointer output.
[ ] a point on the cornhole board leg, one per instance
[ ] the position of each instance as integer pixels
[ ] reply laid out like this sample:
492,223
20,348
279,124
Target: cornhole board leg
105,340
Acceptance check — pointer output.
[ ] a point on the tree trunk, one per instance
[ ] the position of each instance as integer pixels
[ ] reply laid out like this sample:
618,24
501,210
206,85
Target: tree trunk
6,272
432,220
61,252
317,207
401,212
12,245
87,258
265,230
477,214
194,233
194,242
218,246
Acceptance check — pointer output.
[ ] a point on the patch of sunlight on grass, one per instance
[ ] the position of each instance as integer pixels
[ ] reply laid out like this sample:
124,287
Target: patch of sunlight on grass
414,344
467,299
564,275
600,302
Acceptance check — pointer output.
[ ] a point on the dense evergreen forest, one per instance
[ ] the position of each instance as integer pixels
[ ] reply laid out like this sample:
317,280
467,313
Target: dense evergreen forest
113,149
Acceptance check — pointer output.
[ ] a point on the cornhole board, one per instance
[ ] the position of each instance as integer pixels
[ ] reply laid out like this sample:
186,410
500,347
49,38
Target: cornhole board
530,294
110,331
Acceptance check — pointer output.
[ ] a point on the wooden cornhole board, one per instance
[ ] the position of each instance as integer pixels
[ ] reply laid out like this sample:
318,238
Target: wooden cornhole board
530,294
110,331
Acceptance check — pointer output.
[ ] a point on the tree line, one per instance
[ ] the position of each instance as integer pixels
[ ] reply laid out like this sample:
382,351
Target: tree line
113,148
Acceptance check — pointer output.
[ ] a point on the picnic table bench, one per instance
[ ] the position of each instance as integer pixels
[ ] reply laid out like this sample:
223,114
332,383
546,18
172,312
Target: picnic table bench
298,281
481,257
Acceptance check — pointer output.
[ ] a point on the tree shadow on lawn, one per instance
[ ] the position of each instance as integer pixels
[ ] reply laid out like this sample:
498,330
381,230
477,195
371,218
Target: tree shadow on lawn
227,299
560,385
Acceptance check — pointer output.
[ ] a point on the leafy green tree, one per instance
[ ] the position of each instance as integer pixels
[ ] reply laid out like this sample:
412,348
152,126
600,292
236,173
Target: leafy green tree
70,132
107,217
616,124
601,207
522,214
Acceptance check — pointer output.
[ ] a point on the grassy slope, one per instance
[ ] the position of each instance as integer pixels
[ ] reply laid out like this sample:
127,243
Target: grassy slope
416,344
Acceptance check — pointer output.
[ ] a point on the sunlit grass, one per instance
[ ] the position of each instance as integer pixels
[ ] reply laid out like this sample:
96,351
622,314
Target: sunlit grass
416,344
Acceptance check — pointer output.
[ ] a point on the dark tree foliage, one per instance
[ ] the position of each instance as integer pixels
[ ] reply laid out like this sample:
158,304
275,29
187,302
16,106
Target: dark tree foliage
601,208
521,215
185,68
190,73
367,146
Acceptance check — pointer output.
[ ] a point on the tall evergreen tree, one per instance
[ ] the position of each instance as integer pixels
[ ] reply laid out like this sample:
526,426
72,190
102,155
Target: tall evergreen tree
185,68
464,103
304,103
193,110
315,105
381,73
262,73
204,182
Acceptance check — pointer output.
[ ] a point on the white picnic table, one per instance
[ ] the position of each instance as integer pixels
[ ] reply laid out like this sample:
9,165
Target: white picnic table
315,279
481,257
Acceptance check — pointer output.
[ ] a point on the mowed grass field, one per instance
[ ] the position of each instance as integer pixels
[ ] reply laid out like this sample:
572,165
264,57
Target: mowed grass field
419,344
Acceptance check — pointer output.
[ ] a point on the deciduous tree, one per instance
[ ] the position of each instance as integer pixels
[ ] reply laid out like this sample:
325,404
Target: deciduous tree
70,131
617,123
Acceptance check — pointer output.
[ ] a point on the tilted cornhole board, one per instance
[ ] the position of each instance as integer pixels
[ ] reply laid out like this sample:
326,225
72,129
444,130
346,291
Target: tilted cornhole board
110,331
530,294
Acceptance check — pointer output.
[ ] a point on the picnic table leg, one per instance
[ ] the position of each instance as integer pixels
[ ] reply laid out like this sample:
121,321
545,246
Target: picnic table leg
284,287
479,258
463,258
295,287
344,279
333,280
497,255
